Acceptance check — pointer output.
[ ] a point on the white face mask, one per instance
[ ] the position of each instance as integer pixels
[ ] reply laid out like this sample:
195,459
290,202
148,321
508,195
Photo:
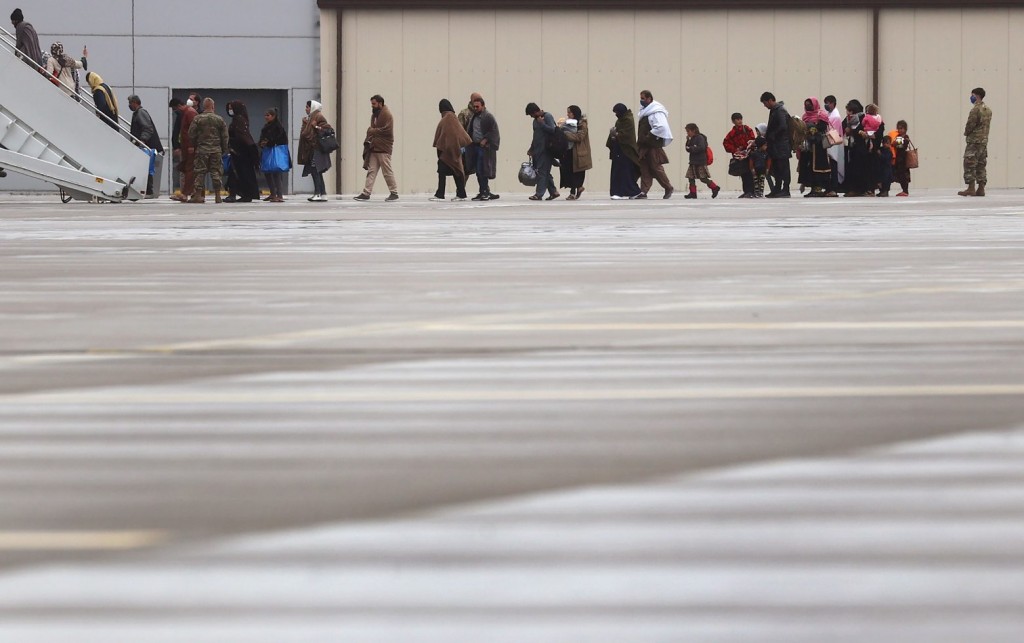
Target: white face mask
231,112
190,103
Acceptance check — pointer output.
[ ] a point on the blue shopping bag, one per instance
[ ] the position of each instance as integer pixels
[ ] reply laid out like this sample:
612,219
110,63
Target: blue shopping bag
152,161
275,159
226,160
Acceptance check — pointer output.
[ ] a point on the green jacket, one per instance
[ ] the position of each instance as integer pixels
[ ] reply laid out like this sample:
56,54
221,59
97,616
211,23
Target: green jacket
978,123
209,134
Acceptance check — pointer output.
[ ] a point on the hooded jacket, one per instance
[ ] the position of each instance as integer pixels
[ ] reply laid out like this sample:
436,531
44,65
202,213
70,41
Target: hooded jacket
778,132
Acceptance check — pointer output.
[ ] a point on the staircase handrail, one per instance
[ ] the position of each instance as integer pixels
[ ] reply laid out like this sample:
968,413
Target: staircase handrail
9,42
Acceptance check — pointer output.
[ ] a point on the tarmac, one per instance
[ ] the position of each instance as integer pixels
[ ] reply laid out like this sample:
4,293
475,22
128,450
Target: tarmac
716,420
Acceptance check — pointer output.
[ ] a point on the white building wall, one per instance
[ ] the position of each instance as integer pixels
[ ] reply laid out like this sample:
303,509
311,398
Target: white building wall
703,65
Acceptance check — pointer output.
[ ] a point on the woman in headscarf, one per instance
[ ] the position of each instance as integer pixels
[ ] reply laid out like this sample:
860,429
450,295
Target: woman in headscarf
245,156
64,68
577,160
104,98
815,171
273,135
450,138
858,160
314,160
624,154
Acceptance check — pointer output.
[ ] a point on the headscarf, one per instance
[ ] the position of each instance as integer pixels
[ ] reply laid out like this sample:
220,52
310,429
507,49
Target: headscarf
762,128
57,51
816,113
314,106
620,109
445,106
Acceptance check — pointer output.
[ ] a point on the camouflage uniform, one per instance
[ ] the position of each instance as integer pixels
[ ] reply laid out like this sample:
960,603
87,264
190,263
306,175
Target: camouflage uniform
976,152
209,135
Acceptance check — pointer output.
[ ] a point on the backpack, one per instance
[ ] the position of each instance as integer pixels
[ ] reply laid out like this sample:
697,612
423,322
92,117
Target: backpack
711,155
797,132
555,143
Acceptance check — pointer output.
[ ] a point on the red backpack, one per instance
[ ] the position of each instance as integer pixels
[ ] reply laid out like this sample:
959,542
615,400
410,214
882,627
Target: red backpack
711,156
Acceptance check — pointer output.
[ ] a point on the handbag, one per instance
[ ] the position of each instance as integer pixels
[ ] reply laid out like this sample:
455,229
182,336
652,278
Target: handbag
834,137
738,167
275,159
328,140
226,161
912,158
528,174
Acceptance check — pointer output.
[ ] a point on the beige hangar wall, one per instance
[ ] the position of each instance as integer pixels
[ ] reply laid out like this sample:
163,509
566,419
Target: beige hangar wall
703,65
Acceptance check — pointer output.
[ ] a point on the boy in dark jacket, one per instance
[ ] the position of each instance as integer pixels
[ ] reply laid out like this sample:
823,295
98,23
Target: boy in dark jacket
885,164
697,146
760,165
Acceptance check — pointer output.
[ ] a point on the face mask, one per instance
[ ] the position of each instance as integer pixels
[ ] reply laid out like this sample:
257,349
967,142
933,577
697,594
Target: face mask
190,103
974,99
231,112
644,103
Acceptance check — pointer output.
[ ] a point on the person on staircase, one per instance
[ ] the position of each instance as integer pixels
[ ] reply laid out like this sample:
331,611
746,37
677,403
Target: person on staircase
209,135
103,96
27,41
64,69
144,130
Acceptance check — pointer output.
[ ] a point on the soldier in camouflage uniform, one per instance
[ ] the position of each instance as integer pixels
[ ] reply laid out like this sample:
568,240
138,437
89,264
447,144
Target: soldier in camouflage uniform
976,152
209,135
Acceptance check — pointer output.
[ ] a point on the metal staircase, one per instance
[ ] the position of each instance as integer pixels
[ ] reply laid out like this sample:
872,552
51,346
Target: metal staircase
47,134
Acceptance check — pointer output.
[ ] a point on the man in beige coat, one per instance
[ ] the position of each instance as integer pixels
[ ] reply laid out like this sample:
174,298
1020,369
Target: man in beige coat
377,149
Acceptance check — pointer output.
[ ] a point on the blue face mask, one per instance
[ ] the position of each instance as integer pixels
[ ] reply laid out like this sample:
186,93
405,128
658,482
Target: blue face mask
974,99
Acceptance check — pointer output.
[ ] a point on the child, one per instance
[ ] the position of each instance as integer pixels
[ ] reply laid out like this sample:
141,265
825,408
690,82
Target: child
760,165
872,120
901,173
885,166
697,146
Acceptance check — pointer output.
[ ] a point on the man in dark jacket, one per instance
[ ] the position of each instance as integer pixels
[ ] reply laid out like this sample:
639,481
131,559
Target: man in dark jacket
144,130
779,149
27,40
482,154
543,126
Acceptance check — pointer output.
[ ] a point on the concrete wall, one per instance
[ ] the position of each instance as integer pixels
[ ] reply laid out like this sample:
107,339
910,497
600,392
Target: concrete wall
187,44
703,65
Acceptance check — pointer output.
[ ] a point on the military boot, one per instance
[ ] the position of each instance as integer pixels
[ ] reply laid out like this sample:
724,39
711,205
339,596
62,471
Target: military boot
981,189
216,195
199,196
969,191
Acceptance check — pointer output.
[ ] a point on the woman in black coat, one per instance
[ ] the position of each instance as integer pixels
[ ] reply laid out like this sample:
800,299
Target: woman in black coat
245,156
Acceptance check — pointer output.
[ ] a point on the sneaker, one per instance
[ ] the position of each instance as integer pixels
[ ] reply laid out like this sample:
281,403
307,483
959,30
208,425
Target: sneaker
668,193
493,197
639,196
618,198
362,196
437,198
320,198
482,197
313,198
714,191
458,198
392,197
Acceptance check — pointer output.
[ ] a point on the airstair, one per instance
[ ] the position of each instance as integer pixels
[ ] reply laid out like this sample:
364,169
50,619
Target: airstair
47,134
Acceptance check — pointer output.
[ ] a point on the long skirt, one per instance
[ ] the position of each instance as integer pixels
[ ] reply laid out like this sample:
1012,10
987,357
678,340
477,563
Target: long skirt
568,177
624,176
242,177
